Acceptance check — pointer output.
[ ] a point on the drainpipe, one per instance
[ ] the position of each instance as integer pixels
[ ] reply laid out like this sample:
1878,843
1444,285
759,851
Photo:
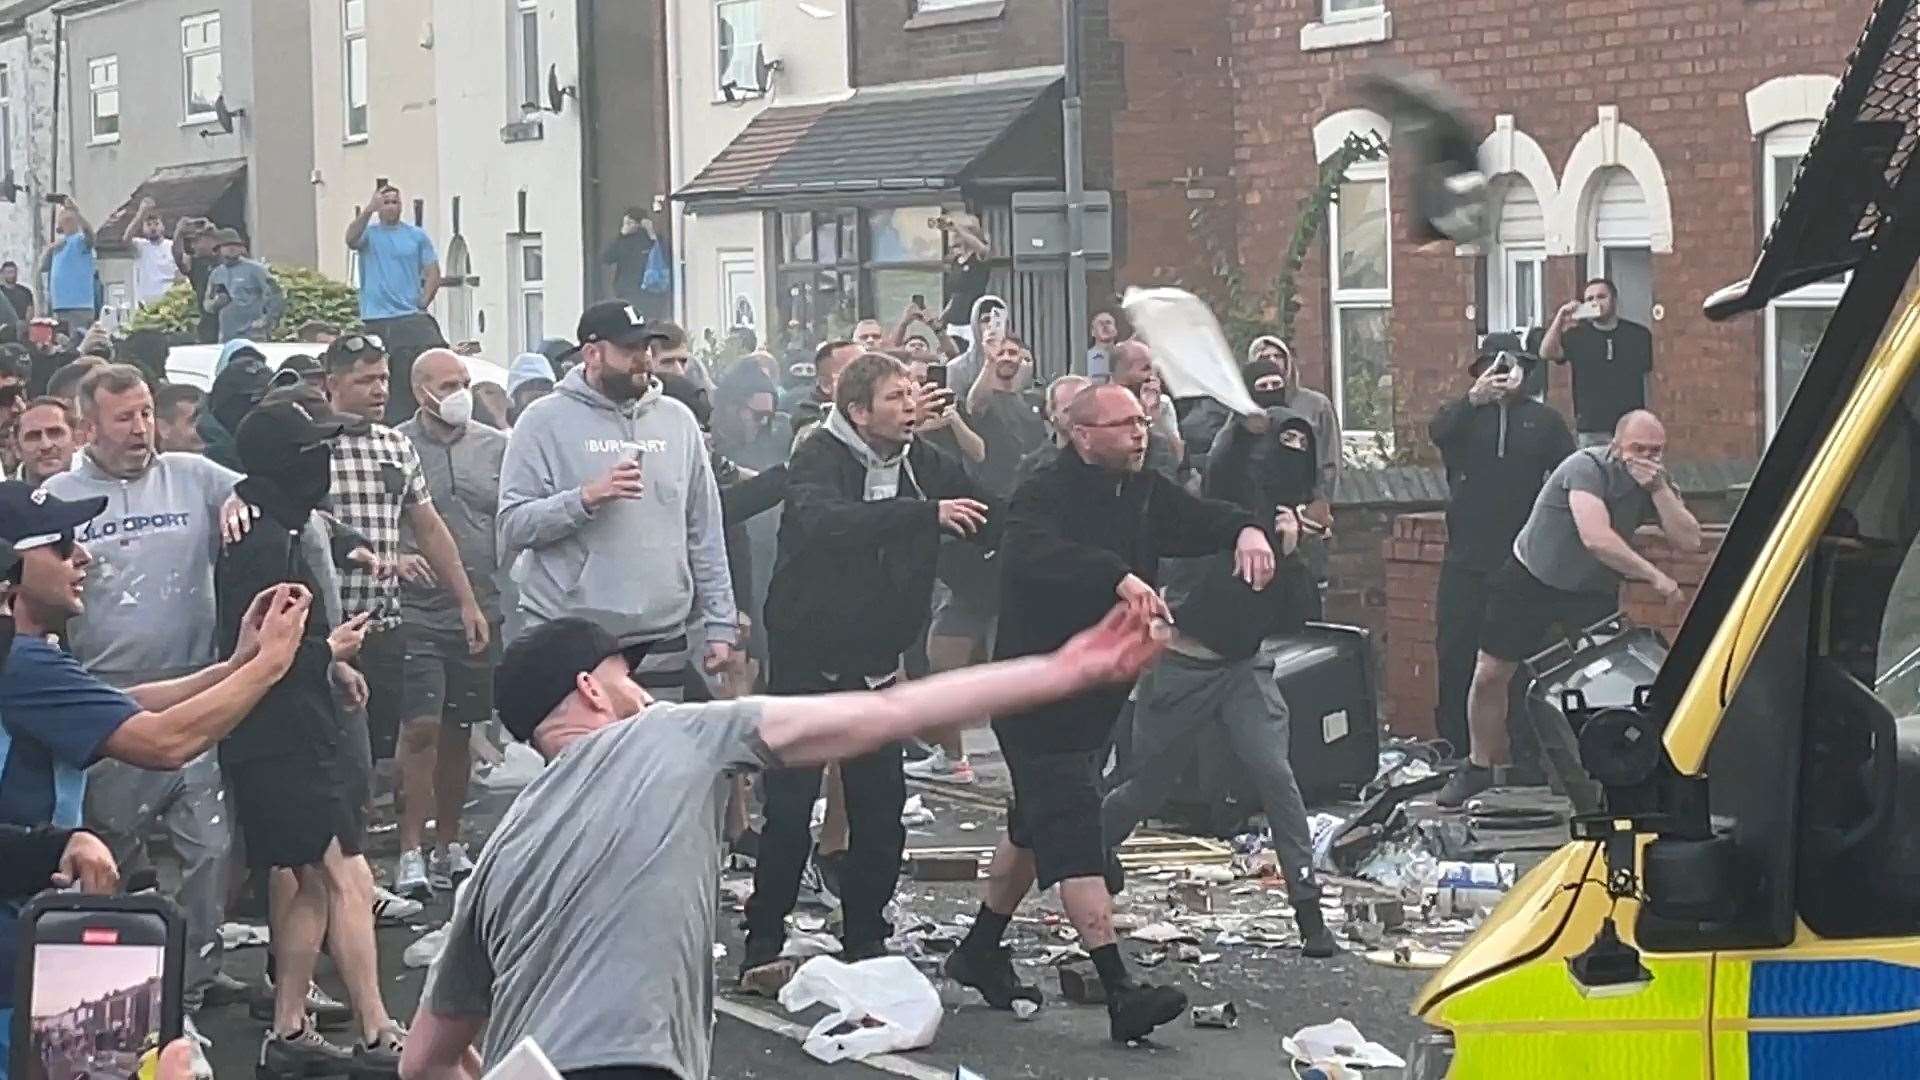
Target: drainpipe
59,54
584,76
676,157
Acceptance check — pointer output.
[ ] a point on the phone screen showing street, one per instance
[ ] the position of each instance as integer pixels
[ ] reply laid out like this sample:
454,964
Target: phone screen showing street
95,1008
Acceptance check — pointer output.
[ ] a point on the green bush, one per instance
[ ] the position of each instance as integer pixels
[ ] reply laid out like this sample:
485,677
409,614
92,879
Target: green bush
310,295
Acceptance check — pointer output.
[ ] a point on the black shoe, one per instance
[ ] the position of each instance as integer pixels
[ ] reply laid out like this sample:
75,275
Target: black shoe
1115,874
303,1053
1467,781
852,952
1138,1009
1316,941
223,990
990,971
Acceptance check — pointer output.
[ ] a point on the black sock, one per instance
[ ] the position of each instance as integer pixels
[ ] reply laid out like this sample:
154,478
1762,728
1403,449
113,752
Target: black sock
1112,969
989,926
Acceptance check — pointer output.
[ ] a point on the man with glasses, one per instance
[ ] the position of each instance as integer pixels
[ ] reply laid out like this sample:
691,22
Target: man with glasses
377,485
399,277
61,718
1093,524
608,491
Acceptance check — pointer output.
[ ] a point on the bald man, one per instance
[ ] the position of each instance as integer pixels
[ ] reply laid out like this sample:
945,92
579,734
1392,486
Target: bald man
448,685
1565,574
1132,367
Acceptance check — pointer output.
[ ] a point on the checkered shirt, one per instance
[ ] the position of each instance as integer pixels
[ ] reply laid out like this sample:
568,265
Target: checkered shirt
376,476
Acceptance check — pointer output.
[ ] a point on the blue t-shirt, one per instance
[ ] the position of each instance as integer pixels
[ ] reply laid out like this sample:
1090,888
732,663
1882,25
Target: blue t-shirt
393,260
70,279
54,718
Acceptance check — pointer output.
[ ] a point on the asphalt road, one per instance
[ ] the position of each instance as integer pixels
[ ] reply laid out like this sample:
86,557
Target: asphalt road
1277,992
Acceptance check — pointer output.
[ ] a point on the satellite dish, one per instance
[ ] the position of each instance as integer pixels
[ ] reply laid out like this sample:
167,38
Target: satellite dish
763,70
557,95
224,115
9,190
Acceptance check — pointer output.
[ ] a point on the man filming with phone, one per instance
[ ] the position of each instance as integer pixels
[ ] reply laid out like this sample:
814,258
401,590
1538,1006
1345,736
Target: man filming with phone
1612,359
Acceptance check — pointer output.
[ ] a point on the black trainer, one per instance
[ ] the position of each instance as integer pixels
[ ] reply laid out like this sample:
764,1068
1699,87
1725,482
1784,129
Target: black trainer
1316,941
1138,1009
1467,781
990,971
852,952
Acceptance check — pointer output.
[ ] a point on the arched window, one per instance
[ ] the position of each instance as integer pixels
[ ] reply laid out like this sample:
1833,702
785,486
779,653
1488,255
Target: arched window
1516,261
1794,321
1360,272
456,286
1620,241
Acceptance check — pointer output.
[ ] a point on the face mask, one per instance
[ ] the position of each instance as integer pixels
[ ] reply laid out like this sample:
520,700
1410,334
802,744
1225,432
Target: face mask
456,408
1268,399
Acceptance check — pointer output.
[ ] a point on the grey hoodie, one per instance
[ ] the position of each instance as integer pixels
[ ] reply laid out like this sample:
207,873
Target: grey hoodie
883,474
1316,407
150,605
634,566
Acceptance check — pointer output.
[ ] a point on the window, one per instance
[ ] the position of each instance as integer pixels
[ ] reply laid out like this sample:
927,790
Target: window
836,266
1360,238
1516,260
530,287
1346,9
200,61
1794,321
457,289
103,85
6,122
1621,249
920,6
353,24
526,54
736,39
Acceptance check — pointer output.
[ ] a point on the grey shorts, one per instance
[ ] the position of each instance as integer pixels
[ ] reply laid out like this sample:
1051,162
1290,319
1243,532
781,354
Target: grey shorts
444,680
957,617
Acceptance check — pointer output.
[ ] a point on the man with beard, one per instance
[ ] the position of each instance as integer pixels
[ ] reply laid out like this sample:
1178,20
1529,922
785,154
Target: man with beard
242,292
154,266
17,294
176,414
292,764
609,489
1092,525
399,277
152,567
866,507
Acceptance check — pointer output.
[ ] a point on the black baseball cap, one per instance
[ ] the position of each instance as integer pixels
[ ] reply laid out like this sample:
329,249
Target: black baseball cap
32,517
295,369
273,435
538,671
613,321
1496,343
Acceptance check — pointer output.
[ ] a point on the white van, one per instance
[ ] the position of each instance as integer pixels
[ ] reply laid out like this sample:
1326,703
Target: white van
193,364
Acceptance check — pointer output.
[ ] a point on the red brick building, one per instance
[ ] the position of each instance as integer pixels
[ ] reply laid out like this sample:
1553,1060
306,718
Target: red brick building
1648,140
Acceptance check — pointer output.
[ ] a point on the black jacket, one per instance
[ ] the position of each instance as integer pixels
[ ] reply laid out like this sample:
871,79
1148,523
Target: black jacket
1072,533
298,716
853,581
1497,457
742,500
1260,472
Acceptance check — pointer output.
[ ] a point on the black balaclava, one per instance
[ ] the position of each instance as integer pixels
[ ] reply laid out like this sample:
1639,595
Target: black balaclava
1260,369
287,476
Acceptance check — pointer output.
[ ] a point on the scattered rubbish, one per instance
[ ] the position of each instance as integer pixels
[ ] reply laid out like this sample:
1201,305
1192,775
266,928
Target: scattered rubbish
1341,1043
1223,1015
877,1006
737,891
961,1072
1409,956
236,935
1208,957
1161,933
1025,1008
803,945
1388,914
1195,896
1211,874
915,813
519,766
719,951
1323,828
381,827
1463,888
1080,985
1185,952
424,952
947,865
1152,958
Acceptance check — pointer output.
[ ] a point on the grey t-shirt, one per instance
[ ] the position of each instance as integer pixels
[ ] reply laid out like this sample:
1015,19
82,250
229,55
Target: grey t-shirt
588,923
464,477
1549,544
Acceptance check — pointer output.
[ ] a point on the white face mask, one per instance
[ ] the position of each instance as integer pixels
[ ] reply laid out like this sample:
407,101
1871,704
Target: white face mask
456,408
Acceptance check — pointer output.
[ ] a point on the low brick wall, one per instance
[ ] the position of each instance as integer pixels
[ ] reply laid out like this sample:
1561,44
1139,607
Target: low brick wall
1411,554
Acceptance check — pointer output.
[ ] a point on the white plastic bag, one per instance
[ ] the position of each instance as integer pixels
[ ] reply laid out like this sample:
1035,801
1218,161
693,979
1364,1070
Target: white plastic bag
885,1003
1188,347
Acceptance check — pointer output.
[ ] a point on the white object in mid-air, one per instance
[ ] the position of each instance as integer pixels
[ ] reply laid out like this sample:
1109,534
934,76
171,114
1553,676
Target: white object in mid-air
1188,347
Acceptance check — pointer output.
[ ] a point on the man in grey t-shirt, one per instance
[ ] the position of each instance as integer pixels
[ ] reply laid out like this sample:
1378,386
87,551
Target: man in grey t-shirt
588,923
1568,562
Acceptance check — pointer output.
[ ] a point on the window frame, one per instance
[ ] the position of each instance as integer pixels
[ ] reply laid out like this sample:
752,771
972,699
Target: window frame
720,70
1346,298
1367,11
525,288
350,36
853,263
189,53
524,56
1791,140
96,86
6,120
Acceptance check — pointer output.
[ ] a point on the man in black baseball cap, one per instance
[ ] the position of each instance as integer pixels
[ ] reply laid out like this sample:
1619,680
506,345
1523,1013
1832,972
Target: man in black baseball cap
618,839
1498,445
299,368
31,518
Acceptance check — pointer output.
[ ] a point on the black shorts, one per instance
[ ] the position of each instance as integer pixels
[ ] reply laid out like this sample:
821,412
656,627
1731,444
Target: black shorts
446,682
1526,615
291,807
382,659
1056,812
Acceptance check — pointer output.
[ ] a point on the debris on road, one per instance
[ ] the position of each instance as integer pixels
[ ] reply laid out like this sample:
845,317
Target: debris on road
915,813
238,935
1223,1015
424,952
1340,1043
1080,985
878,1006
944,864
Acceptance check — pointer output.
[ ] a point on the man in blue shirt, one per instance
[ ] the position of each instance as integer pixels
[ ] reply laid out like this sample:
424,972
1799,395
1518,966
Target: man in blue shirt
71,267
56,719
399,277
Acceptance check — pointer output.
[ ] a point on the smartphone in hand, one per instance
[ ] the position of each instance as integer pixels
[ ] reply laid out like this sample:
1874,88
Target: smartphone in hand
102,982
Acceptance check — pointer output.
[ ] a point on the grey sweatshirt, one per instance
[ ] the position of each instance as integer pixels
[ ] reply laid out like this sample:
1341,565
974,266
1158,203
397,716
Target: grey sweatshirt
150,605
253,301
635,566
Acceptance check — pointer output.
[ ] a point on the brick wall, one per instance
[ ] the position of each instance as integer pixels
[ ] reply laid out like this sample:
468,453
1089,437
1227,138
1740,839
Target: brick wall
1410,558
1677,69
884,50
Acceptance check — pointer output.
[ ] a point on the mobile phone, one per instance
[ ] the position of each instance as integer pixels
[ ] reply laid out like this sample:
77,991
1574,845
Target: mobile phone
1307,524
380,182
101,984
639,455
919,300
40,332
56,199
1587,310
937,375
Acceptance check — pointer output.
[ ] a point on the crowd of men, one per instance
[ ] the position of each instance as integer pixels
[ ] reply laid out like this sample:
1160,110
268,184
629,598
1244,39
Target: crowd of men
228,610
